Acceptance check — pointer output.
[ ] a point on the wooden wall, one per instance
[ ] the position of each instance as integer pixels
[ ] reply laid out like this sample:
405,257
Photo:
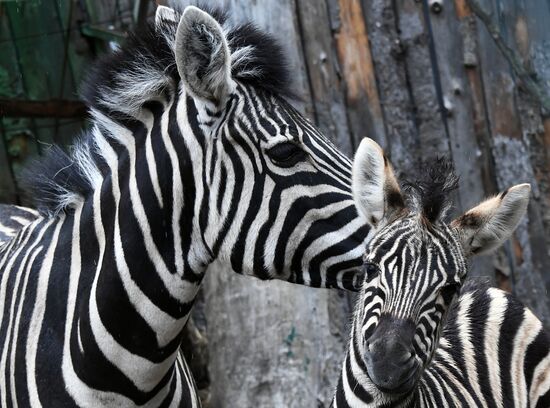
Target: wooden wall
424,78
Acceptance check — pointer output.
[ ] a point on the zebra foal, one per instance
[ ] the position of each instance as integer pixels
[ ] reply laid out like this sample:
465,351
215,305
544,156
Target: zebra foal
193,155
423,336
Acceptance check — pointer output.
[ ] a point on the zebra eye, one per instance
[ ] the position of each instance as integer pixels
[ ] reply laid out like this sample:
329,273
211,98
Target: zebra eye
371,269
286,154
449,291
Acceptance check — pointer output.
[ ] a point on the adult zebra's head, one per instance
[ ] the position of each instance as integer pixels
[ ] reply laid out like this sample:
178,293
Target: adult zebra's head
415,263
262,188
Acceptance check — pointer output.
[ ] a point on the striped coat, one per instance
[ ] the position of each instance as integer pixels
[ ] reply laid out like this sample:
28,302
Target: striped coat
422,335
194,155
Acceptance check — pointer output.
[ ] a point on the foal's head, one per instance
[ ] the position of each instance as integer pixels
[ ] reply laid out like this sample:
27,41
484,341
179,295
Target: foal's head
416,262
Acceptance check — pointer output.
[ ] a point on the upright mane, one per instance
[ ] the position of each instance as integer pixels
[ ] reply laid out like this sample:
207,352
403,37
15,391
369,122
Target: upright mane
431,193
121,82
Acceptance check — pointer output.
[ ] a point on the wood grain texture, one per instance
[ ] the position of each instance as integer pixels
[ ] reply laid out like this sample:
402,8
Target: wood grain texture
510,149
466,148
326,82
388,52
363,104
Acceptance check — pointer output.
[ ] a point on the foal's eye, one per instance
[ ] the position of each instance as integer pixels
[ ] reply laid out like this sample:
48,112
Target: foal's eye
286,154
370,268
448,292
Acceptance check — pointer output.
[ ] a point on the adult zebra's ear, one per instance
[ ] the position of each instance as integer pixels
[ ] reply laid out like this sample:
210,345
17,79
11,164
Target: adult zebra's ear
165,14
489,224
202,55
375,189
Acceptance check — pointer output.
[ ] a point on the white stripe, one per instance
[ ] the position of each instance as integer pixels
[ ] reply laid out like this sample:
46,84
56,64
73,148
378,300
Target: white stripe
35,323
464,333
526,333
495,316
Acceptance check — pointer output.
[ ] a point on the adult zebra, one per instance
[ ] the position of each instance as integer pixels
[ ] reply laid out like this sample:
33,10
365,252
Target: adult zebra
193,155
493,352
12,219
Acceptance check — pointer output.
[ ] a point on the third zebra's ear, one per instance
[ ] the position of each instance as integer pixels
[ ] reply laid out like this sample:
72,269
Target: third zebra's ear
489,224
202,55
375,189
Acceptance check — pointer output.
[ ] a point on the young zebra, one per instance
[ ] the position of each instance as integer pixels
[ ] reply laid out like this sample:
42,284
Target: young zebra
410,345
193,156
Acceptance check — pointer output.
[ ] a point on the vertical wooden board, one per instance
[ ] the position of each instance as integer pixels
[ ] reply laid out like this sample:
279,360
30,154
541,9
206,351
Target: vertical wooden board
363,102
293,349
323,72
527,24
515,30
415,38
512,165
390,70
470,61
465,149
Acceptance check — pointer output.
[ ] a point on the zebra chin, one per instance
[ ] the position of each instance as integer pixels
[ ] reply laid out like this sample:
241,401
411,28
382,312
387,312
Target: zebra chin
402,382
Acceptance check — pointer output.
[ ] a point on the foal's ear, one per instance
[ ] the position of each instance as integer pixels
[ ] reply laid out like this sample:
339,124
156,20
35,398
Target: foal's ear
489,224
202,56
375,189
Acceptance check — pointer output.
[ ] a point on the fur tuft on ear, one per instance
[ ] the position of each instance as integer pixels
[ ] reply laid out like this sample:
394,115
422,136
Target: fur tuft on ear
165,14
375,189
203,57
489,224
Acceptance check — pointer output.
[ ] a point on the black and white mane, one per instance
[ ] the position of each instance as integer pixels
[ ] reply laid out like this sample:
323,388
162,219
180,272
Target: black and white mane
143,69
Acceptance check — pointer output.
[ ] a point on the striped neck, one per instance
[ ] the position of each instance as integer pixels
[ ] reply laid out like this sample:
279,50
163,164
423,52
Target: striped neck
150,257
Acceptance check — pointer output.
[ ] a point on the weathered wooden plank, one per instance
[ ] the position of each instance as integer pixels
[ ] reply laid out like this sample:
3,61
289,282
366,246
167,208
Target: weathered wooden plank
514,18
527,25
465,149
512,164
415,39
470,61
363,103
326,85
393,87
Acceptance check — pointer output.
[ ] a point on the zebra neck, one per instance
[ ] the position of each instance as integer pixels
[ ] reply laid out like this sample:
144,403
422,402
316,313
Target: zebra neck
139,234
155,169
